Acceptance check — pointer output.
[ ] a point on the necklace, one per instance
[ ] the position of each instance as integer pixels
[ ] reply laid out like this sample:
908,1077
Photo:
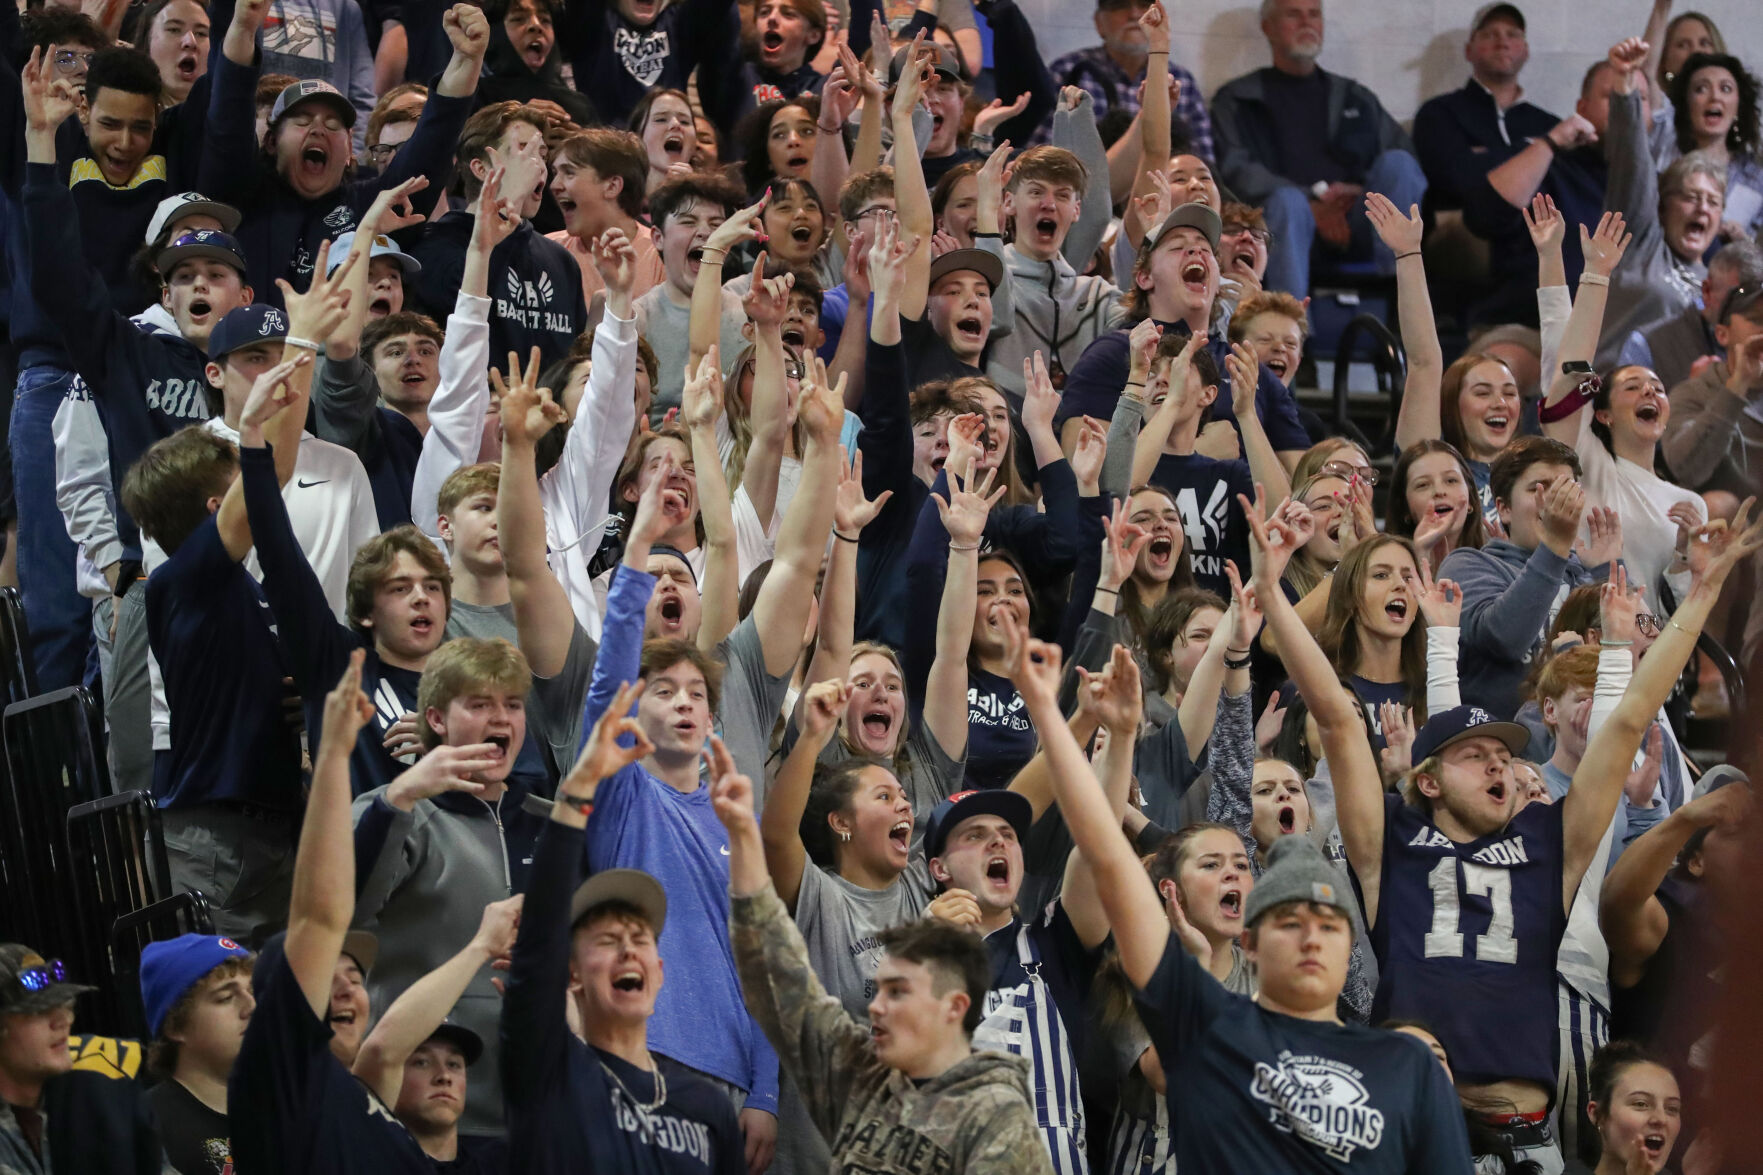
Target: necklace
660,1089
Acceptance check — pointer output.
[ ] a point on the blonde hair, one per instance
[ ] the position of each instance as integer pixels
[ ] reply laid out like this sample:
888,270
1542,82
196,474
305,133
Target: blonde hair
463,484
464,666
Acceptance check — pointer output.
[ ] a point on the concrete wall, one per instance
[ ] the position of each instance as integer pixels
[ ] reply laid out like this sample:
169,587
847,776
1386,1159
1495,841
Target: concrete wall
1405,50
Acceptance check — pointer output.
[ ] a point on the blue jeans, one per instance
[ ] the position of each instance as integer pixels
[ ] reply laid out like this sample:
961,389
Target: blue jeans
60,619
1395,174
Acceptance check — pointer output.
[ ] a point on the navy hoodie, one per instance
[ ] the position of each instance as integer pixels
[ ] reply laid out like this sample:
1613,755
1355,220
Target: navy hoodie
615,63
535,284
282,231
148,385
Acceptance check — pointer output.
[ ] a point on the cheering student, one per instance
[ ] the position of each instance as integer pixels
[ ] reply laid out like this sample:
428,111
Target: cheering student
1277,1082
599,1102
1468,902
909,1092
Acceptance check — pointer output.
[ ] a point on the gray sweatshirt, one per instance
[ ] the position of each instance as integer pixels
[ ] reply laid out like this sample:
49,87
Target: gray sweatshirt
1715,439
1509,596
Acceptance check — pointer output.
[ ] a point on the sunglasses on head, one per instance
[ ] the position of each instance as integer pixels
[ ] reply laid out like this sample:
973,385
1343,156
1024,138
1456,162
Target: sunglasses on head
43,977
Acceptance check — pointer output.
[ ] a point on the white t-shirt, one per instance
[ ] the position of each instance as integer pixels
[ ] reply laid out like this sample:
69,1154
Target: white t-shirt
1641,498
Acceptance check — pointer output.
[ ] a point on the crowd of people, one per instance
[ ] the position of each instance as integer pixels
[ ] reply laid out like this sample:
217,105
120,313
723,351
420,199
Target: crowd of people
928,697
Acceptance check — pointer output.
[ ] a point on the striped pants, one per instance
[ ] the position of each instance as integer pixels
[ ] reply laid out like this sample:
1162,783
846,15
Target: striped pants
1585,1028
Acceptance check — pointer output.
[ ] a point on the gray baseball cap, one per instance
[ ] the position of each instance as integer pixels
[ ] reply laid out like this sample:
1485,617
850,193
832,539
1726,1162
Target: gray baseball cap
1298,872
1196,216
630,886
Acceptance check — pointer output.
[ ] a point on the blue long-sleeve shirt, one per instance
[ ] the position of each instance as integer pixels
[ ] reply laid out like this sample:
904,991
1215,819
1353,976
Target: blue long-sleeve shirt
641,822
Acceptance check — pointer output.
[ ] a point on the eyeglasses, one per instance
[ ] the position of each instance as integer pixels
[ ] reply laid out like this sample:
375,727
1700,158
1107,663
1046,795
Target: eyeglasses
1646,623
1345,472
1739,299
69,60
794,368
35,979
872,210
1260,234
381,154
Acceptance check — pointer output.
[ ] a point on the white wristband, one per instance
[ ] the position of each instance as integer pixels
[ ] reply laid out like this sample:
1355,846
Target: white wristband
297,341
1593,279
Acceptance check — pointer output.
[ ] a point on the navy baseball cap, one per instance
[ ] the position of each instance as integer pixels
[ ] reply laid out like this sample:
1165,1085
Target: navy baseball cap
204,242
963,805
244,325
469,1043
1461,722
943,60
987,265
313,90
170,969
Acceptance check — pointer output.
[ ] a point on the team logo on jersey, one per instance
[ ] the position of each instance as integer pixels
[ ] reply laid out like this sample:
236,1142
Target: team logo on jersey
342,216
528,304
1320,1100
644,54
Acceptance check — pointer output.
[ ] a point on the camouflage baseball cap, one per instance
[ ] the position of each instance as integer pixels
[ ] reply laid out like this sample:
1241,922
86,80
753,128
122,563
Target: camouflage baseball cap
30,984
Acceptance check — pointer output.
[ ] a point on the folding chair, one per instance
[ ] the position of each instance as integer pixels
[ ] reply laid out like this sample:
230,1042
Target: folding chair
54,761
18,674
117,844
182,913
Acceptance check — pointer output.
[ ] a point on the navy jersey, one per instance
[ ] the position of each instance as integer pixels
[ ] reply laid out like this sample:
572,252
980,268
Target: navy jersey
1466,938
1252,1090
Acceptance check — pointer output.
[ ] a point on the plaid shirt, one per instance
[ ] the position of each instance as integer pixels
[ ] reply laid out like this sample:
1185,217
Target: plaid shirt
1111,87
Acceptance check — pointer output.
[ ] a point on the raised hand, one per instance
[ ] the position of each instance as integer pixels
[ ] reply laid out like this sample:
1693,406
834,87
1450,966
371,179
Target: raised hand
909,90
821,408
731,793
321,309
49,101
444,769
1192,941
941,242
271,392
391,211
1357,521
998,112
1087,456
964,511
1548,228
1155,205
1397,755
1401,233
603,756
467,29
957,907
1070,97
701,397
660,507
1113,697
615,259
346,708
966,442
527,413
839,98
852,511
1032,665
768,299
1155,22
499,927
738,229
856,75
1603,541
1142,344
1272,541
1244,615
1618,606
1245,376
1628,55
887,258
1441,601
498,214
1725,807
1121,543
1573,132
1563,504
989,184
1271,722
1604,247
822,705
1040,402
1642,781
1715,551
1182,360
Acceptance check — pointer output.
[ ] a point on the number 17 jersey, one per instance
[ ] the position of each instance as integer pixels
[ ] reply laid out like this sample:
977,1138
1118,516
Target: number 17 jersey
1466,938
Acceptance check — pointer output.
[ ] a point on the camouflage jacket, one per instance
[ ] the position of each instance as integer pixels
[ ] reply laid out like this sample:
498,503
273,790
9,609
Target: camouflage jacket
16,1155
974,1118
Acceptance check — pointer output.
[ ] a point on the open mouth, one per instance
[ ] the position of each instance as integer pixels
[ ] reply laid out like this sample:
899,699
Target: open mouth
672,609
314,158
969,327
1648,411
564,204
342,1017
900,835
795,336
1440,509
1497,793
187,67
1160,549
1334,531
1047,226
500,742
1654,1145
878,724
1288,819
796,163
201,308
534,52
380,306
1193,274
1498,423
800,233
771,41
1230,903
998,869
628,981
1244,261
695,256
1713,116
422,625
1396,610
412,379
674,145
1277,365
1699,225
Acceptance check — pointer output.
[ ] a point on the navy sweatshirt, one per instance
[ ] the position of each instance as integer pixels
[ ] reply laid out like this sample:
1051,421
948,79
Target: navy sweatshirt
282,231
535,284
615,62
567,1104
886,445
112,222
148,385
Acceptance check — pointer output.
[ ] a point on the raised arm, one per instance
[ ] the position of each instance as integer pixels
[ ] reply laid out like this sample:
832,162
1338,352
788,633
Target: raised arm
700,405
469,32
911,197
846,85
852,511
705,325
1633,185
1603,251
1153,121
323,900
1112,696
1419,414
1140,930
1155,435
1633,920
1213,680
1358,784
780,828
1265,465
766,303
1598,782
543,619
414,1015
1074,128
963,516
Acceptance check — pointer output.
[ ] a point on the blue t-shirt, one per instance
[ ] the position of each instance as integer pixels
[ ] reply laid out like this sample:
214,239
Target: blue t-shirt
1206,494
1253,1090
1000,738
1371,695
210,627
1095,381
294,1109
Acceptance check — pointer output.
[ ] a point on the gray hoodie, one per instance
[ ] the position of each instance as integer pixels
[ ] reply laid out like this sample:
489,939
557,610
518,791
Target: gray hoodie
1715,440
974,1117
1509,596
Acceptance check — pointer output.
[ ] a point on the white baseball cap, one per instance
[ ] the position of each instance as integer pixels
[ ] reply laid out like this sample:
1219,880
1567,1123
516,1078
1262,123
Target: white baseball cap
383,246
191,204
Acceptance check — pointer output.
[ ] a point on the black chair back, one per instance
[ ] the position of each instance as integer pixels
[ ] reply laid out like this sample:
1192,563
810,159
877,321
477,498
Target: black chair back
54,762
117,841
18,673
181,913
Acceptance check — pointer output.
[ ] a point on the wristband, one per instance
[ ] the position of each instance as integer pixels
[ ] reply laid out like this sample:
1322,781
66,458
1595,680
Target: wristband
585,807
1674,624
976,234
954,547
1572,402
1410,253
843,538
1110,591
1135,383
1546,141
1593,279
705,255
297,341
1615,644
1242,664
